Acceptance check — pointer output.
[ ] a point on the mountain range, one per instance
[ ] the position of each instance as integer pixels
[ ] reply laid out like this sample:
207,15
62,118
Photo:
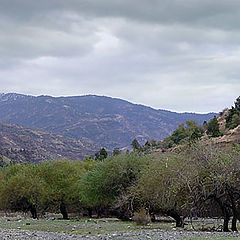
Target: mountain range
104,121
93,121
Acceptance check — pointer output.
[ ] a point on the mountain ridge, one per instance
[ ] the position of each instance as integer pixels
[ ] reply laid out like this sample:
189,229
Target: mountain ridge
105,121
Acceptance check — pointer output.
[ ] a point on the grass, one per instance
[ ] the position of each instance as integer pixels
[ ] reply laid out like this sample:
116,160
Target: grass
78,226
86,226
83,226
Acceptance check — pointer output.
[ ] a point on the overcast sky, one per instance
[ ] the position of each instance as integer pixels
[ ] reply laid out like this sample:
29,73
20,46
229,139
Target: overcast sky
181,55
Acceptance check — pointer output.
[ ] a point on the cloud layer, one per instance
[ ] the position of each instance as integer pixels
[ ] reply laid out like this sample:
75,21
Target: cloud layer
182,55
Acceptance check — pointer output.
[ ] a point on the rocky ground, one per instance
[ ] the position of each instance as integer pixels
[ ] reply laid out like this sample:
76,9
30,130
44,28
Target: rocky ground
51,227
6,234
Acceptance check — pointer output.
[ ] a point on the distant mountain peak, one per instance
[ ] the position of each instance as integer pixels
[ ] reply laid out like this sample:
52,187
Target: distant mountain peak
12,96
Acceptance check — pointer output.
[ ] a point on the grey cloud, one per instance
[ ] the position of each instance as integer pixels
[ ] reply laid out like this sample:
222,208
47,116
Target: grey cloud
179,54
217,13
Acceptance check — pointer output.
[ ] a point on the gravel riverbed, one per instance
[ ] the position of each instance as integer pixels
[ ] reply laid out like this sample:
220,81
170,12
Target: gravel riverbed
6,234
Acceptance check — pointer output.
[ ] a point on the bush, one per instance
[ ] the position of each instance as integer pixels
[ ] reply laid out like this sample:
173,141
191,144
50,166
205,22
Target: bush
141,217
213,128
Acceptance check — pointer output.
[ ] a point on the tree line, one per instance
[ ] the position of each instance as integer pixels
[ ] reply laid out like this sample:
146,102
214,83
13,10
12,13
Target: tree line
203,180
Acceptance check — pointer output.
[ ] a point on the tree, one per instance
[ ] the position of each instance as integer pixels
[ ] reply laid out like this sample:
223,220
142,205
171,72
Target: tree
235,121
135,145
2,162
233,117
179,134
213,128
21,189
101,155
162,189
104,184
116,151
189,132
237,104
194,131
216,185
60,178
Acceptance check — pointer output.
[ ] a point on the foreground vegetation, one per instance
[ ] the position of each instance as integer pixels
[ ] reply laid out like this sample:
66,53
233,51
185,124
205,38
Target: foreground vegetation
201,181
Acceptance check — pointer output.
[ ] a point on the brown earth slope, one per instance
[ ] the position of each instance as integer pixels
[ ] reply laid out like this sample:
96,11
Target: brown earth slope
26,145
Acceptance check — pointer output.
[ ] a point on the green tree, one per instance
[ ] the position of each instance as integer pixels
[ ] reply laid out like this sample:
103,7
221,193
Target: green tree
179,134
135,145
102,186
237,104
194,131
101,155
213,128
2,162
235,121
60,178
233,117
162,189
21,189
191,131
116,151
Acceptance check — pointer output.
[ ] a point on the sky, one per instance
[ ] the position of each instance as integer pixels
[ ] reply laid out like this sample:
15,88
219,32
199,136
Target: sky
181,55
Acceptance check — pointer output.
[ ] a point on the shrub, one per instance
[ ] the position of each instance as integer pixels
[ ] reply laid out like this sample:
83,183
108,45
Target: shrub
141,217
213,128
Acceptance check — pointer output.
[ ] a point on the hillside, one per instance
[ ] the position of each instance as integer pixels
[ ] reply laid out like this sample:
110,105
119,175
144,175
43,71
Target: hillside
105,121
27,145
230,136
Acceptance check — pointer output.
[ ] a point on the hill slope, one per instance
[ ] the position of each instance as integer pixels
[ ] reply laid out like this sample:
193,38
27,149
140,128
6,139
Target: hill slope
105,121
27,145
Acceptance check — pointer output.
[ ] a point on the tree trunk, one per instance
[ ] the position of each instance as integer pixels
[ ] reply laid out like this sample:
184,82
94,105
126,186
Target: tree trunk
99,211
234,210
89,212
33,212
179,219
153,217
226,213
234,224
225,223
63,211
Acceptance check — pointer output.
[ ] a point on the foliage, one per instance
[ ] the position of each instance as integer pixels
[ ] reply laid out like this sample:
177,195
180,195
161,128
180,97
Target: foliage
237,104
213,128
233,117
161,187
60,178
101,155
2,162
217,184
150,145
40,187
135,145
107,180
116,151
21,189
202,178
191,131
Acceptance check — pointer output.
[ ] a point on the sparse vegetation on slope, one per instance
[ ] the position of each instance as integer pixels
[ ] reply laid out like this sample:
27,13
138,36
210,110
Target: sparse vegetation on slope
19,144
